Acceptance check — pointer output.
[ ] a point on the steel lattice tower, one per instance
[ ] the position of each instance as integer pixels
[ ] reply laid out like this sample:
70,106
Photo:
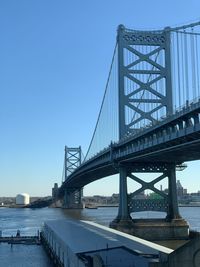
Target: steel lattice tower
144,71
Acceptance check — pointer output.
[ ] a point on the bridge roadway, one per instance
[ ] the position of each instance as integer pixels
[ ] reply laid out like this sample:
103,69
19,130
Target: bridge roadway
174,140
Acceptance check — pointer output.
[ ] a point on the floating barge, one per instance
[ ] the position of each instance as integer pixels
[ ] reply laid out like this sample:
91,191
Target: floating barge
82,243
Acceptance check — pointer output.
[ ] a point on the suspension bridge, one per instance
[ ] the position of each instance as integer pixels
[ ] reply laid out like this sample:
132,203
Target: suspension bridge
149,122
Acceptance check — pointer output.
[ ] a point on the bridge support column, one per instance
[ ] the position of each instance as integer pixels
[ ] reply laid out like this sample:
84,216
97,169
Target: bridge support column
123,219
72,199
123,213
172,227
173,211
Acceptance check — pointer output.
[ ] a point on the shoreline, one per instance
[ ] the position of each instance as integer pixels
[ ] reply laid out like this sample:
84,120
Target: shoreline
96,206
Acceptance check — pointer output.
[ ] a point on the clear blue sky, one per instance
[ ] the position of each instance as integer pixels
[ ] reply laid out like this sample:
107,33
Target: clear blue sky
54,62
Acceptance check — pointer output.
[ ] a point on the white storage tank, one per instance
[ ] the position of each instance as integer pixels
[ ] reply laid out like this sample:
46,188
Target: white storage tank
22,199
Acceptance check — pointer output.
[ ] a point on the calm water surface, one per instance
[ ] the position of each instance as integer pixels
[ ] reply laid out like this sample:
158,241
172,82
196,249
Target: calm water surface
29,221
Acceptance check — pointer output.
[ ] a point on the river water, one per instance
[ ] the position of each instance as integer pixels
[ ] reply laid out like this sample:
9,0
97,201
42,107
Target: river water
29,221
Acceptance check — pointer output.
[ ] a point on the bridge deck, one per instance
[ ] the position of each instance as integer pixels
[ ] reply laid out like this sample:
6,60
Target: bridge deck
170,141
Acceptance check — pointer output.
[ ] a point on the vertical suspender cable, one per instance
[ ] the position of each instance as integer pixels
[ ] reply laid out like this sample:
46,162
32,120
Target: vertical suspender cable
178,70
88,154
193,64
186,67
174,69
183,69
197,65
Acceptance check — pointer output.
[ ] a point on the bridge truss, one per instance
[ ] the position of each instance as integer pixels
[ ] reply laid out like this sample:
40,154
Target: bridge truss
153,74
72,160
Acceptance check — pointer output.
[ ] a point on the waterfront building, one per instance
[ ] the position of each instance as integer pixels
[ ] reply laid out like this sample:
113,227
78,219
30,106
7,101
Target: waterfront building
87,244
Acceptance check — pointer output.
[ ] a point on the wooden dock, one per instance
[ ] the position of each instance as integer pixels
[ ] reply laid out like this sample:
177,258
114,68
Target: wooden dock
23,240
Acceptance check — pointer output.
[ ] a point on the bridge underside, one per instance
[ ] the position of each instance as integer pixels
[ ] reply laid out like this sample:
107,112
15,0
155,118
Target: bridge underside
166,155
176,152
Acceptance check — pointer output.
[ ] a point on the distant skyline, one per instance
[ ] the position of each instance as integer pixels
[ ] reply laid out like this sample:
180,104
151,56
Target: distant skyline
54,62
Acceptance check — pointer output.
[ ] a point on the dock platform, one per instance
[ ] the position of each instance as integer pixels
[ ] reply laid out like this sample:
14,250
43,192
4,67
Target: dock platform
23,240
84,243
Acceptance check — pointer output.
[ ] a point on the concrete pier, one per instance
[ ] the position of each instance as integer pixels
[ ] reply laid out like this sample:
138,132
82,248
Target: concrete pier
154,229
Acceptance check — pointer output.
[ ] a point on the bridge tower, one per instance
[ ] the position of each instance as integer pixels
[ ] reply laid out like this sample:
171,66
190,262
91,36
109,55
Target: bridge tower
145,92
72,160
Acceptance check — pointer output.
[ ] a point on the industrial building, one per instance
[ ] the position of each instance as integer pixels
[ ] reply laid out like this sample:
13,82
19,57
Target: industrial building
22,199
